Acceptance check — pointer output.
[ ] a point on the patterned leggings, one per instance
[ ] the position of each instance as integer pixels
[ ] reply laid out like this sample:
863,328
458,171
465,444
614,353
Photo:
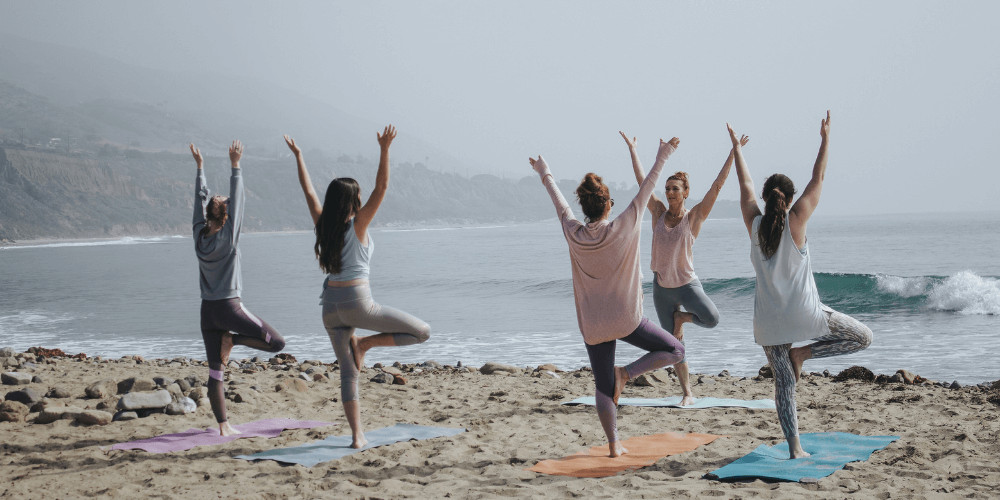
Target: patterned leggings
847,336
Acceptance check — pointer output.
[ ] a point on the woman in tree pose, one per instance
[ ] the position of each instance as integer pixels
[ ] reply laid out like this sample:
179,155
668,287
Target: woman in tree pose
216,226
675,284
787,308
344,248
607,285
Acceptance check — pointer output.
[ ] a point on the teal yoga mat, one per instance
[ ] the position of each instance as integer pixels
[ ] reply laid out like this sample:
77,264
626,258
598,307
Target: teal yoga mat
674,402
335,447
830,452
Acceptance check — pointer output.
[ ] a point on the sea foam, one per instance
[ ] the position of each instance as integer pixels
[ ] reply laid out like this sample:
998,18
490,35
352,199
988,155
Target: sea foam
966,293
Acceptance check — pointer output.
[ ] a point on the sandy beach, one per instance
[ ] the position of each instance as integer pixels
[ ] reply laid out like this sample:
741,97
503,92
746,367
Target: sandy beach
948,446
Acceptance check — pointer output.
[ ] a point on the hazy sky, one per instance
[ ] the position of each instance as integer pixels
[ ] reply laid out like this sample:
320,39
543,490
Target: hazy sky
913,86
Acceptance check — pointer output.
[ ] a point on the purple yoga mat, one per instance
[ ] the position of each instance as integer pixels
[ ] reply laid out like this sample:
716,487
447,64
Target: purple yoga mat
205,437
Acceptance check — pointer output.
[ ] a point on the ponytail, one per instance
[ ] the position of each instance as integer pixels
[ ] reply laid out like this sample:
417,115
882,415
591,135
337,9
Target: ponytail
778,192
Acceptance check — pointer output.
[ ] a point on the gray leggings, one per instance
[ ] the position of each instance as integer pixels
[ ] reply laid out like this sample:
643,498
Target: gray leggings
692,298
345,309
847,335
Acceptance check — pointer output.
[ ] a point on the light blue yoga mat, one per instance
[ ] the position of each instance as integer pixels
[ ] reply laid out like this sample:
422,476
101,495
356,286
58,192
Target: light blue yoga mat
675,402
335,447
830,452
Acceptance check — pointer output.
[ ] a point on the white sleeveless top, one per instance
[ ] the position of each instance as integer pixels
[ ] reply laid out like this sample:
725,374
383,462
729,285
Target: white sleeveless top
672,256
786,302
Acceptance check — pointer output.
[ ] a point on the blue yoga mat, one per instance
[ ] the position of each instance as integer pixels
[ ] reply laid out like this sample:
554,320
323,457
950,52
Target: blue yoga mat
675,402
830,452
335,447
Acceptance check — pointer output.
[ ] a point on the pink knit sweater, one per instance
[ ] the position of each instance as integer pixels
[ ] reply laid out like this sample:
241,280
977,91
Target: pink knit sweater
607,283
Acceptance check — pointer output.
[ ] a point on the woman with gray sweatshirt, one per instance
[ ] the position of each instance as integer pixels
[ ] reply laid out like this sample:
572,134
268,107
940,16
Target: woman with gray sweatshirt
607,285
216,228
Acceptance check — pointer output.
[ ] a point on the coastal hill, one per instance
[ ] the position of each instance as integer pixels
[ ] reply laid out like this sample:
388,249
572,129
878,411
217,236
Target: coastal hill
91,147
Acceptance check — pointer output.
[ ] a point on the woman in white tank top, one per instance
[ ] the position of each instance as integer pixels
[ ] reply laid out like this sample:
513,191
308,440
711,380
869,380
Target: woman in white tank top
675,284
787,307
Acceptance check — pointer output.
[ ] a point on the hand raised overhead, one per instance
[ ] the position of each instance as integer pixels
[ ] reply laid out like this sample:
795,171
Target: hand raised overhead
824,128
538,164
386,137
196,153
732,136
631,142
291,145
235,153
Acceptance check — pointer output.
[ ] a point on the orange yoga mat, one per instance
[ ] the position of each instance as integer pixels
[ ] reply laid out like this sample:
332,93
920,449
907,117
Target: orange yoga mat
642,451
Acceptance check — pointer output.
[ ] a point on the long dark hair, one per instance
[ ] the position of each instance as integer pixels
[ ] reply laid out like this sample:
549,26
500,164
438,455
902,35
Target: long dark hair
341,201
593,196
778,192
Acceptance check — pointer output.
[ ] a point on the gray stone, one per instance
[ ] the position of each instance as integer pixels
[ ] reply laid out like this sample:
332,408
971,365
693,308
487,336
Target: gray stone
305,377
491,368
430,363
136,384
7,352
144,400
163,381
15,378
184,405
320,377
194,381
548,367
9,363
204,403
49,415
102,389
27,396
703,380
383,378
955,385
175,391
93,417
36,379
197,393
124,416
183,384
765,372
12,411
316,369
643,381
724,373
392,370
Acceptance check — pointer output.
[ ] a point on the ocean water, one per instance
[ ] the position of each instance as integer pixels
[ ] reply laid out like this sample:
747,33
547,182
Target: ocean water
927,285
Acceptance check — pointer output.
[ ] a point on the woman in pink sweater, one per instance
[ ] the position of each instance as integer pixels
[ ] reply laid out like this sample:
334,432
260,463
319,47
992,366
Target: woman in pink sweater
607,285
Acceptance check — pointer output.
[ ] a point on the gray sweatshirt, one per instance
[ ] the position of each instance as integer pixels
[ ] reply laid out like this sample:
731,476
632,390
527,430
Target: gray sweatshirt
219,254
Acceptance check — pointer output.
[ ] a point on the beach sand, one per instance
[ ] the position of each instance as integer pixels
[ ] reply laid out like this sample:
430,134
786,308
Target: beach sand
949,443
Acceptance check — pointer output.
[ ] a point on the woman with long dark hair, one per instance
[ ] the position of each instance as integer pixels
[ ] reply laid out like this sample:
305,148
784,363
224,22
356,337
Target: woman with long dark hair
787,307
216,227
675,284
607,285
344,248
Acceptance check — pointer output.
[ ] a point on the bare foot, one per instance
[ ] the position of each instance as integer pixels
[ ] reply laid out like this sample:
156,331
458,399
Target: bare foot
227,430
617,449
799,355
226,348
359,441
687,400
621,377
681,317
795,448
359,355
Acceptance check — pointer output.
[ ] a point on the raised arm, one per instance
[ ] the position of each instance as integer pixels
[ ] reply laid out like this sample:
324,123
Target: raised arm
806,204
365,215
655,206
201,191
648,184
315,207
700,211
748,204
563,212
236,191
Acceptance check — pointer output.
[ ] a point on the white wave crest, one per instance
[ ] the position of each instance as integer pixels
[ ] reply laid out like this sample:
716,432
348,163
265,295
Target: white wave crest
27,322
128,240
966,293
904,287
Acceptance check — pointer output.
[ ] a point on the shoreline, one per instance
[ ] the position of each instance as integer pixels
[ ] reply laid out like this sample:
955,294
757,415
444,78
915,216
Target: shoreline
513,418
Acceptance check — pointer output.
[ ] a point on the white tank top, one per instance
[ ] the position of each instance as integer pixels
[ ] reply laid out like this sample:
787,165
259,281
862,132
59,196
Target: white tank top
354,257
786,302
672,256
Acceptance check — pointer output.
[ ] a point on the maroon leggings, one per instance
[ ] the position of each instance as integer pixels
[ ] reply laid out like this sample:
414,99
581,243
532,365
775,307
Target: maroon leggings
219,317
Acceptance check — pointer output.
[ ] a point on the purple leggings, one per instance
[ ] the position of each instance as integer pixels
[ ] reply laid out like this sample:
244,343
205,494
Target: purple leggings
228,315
664,350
